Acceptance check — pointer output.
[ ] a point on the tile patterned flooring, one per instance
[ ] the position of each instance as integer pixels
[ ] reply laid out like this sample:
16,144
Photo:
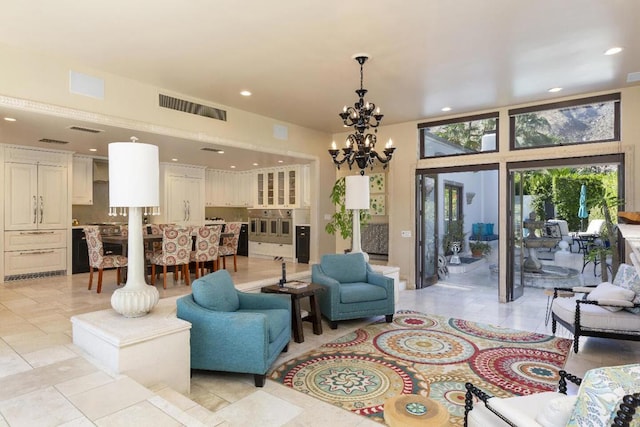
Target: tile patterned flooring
46,381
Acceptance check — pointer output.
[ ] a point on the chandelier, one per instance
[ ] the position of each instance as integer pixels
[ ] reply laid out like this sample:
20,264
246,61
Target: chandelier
360,145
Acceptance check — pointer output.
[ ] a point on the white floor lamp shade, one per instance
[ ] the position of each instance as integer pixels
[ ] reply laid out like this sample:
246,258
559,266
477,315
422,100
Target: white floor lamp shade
134,183
356,198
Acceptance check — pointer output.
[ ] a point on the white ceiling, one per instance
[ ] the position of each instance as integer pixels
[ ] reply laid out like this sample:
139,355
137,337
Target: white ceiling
295,56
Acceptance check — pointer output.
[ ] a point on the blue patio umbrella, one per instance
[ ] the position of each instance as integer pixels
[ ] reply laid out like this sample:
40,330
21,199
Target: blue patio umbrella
582,210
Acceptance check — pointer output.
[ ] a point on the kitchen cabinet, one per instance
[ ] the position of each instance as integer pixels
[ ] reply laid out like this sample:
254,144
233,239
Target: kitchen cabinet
305,184
35,197
277,188
226,188
36,207
82,189
183,195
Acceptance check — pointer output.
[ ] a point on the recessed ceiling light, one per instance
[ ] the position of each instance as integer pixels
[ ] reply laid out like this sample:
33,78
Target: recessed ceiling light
174,160
245,93
446,108
555,89
280,161
93,149
232,166
255,164
613,50
10,119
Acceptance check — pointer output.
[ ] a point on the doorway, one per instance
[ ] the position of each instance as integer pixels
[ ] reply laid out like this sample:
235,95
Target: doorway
450,205
544,250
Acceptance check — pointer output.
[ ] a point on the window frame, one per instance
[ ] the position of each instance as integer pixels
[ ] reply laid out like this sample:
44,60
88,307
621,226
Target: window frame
612,97
492,115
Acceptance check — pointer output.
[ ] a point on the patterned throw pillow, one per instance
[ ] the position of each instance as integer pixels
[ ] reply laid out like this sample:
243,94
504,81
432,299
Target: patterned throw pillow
627,278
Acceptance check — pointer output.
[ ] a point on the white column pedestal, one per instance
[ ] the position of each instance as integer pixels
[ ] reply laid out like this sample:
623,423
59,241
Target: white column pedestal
152,349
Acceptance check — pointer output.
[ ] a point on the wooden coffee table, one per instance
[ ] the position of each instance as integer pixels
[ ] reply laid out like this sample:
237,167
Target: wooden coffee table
310,290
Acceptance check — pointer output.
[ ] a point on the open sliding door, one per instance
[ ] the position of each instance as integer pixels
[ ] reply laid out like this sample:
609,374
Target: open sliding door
426,231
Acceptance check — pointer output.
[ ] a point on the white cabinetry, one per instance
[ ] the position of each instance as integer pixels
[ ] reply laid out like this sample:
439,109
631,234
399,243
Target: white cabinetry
225,188
305,184
82,192
183,195
277,188
36,208
270,250
35,197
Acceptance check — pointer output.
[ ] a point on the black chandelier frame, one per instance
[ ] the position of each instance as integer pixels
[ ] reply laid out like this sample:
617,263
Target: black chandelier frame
360,145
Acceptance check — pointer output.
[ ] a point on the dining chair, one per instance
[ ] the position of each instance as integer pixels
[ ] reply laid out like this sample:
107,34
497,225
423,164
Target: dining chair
229,245
207,248
98,260
155,230
176,251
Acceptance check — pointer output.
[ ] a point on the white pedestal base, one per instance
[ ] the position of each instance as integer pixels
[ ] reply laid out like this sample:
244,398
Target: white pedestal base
152,349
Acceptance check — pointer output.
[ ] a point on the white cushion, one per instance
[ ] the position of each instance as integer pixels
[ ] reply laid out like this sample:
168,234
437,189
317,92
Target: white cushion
519,409
556,412
595,317
609,292
627,278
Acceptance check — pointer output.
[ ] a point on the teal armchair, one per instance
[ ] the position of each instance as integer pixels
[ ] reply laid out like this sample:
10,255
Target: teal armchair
353,289
235,331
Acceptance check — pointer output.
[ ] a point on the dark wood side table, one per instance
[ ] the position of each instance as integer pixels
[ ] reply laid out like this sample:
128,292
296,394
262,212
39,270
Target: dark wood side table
296,317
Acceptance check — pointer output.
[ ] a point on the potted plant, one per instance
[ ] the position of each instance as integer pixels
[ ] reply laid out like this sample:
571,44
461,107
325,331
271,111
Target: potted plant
479,248
455,233
342,220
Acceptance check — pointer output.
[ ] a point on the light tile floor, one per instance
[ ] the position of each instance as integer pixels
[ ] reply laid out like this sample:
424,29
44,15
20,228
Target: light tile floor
45,380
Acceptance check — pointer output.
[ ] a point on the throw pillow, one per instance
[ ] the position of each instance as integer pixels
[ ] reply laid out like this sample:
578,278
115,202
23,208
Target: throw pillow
607,291
556,412
627,278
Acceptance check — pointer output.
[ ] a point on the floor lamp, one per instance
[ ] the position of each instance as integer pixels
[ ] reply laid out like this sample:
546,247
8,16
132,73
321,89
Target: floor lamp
133,185
356,198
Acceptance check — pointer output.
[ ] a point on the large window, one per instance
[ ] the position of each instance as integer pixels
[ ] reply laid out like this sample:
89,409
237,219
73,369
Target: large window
595,119
463,135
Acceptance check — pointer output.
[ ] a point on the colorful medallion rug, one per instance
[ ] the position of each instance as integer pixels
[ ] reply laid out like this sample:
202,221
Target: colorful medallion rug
428,355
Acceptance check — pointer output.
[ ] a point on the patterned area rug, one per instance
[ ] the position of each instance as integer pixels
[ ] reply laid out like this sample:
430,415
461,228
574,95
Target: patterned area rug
428,355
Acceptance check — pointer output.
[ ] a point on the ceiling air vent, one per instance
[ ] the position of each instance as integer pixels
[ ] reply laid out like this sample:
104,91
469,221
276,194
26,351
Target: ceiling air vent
53,141
192,108
84,129
213,150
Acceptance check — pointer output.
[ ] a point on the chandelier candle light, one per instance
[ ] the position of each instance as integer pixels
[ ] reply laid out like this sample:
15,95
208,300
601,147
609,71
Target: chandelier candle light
360,145
134,185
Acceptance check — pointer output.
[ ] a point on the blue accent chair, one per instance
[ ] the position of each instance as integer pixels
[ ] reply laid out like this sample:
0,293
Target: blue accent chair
353,289
235,331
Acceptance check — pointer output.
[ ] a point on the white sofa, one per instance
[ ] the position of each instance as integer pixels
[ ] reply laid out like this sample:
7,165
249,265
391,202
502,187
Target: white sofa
609,310
603,392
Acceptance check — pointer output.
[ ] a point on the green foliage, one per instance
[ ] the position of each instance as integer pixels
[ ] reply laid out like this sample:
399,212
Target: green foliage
477,246
466,134
342,219
531,131
566,196
455,233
